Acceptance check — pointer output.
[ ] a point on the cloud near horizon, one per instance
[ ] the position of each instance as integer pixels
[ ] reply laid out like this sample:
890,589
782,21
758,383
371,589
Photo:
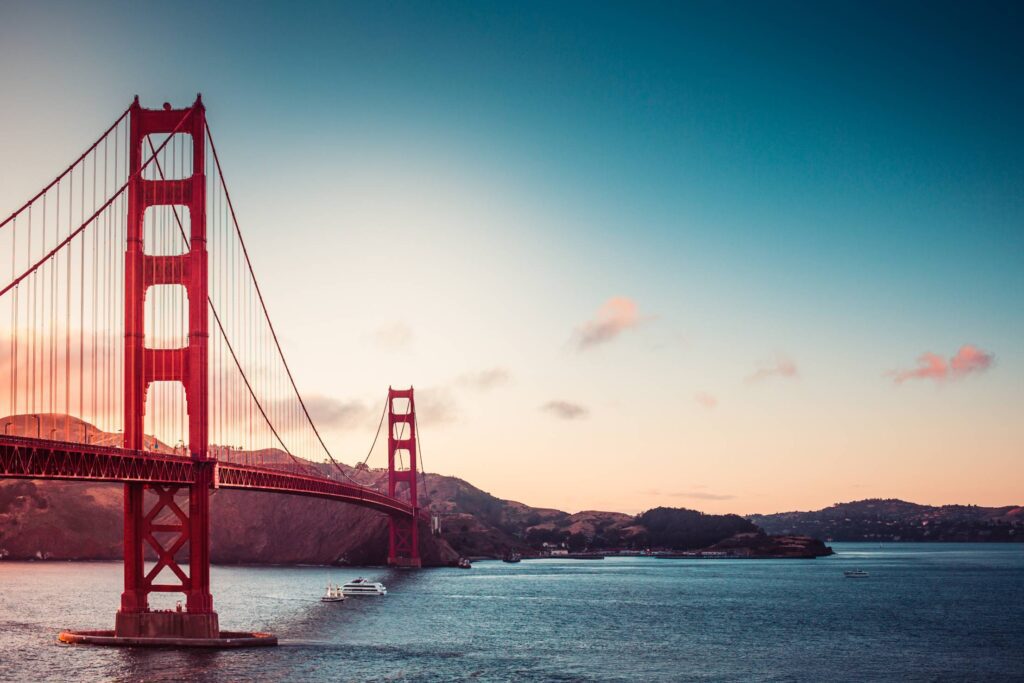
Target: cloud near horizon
485,379
393,336
969,359
782,367
436,406
565,410
616,315
696,495
705,399
335,413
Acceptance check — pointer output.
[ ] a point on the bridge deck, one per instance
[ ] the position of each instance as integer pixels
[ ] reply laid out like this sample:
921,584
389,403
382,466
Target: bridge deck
27,458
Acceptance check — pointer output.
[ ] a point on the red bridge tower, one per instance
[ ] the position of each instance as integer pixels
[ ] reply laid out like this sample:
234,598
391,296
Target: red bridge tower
403,533
188,365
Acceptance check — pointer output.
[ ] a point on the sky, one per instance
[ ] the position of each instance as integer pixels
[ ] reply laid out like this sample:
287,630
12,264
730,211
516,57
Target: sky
737,257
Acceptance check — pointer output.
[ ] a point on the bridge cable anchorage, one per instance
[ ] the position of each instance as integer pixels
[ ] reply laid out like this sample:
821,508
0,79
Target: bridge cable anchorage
67,170
263,305
213,309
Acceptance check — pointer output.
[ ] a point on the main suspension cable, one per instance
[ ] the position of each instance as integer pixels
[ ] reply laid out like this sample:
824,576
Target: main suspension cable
93,217
67,170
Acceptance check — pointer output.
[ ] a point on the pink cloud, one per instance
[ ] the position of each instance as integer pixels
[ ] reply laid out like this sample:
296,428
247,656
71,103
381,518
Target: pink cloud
929,366
782,367
969,359
705,399
616,315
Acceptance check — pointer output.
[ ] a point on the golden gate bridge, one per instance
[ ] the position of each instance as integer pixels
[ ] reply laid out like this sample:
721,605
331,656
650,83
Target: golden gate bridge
132,304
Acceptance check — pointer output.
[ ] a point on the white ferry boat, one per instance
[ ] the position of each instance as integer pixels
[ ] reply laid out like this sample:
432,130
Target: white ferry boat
333,594
363,586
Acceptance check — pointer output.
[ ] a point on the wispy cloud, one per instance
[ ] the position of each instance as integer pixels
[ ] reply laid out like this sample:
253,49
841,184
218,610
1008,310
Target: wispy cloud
969,359
436,406
393,336
705,399
616,315
929,366
781,367
702,495
694,494
565,410
335,413
485,379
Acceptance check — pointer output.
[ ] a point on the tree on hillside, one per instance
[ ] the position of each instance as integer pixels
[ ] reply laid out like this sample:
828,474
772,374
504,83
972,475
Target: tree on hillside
682,529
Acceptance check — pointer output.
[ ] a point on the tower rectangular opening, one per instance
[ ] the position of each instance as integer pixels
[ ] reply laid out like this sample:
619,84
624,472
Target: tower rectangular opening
166,315
165,230
166,422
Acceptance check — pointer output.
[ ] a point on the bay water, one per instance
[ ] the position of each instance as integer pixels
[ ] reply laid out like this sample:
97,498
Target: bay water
926,612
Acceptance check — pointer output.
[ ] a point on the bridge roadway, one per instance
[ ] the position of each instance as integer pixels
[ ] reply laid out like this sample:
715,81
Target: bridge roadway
28,458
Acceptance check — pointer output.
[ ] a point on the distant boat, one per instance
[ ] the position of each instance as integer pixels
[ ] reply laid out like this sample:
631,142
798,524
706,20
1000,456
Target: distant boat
511,556
464,563
333,594
855,574
363,586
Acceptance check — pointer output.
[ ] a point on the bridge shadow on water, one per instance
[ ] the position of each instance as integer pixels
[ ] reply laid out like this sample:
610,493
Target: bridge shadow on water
320,624
314,636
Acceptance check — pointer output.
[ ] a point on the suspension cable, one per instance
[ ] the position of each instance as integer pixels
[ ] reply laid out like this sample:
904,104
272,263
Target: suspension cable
419,453
67,170
227,342
375,436
263,305
253,395
93,217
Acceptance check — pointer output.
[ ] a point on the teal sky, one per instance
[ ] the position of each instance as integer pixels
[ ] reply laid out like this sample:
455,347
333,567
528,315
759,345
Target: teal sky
790,203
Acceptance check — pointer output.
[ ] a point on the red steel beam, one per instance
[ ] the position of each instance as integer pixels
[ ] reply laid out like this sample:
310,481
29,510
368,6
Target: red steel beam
232,476
26,458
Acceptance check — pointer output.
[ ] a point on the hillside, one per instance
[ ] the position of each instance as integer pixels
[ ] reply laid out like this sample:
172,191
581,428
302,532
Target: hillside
898,520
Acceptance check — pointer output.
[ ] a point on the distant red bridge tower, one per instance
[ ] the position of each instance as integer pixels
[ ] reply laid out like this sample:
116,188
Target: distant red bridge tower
403,533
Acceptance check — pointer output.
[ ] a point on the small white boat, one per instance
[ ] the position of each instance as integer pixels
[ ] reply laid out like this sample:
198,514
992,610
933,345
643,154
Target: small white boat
333,594
855,574
363,586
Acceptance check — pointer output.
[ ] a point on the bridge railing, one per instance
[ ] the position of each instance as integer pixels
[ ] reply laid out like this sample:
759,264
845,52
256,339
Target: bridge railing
28,458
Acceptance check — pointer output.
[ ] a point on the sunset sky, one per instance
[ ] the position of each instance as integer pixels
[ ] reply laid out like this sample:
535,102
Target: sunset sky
628,256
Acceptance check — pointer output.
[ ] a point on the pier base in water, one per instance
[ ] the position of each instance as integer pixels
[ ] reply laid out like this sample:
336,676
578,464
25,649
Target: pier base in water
168,629
166,624
226,639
